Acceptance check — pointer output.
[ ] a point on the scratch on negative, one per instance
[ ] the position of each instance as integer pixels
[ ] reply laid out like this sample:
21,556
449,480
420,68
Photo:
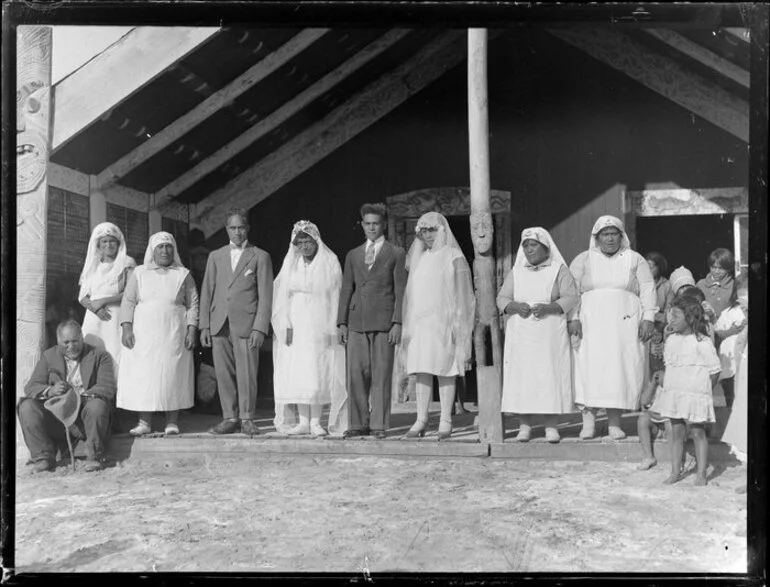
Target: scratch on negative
415,538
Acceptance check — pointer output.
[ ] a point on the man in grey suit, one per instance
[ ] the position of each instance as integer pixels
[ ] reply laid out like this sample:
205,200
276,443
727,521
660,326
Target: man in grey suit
369,322
235,305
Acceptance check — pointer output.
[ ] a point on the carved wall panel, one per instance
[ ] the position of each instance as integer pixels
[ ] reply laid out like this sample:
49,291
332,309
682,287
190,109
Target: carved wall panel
33,82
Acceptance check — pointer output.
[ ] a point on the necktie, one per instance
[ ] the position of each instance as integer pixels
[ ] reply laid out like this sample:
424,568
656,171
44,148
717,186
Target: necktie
369,257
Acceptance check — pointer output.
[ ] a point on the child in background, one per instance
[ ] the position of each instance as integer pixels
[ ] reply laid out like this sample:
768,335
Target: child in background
664,293
736,430
650,424
730,323
692,368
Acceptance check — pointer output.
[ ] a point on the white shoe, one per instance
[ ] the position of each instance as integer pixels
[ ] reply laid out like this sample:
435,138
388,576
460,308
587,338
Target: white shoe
317,430
298,430
524,433
589,426
616,433
552,435
171,430
140,430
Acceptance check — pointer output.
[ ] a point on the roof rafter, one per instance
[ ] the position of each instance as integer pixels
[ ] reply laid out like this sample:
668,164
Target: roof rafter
289,109
210,105
135,59
662,75
327,135
702,55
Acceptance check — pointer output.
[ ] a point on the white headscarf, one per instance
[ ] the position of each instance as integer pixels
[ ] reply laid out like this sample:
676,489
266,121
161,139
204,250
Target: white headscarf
542,236
113,270
325,279
603,222
160,238
458,306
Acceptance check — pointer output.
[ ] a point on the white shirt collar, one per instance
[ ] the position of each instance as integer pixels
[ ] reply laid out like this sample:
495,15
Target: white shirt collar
233,246
378,242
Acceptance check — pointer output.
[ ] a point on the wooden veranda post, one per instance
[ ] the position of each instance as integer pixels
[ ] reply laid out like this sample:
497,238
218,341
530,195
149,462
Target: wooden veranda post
482,231
33,91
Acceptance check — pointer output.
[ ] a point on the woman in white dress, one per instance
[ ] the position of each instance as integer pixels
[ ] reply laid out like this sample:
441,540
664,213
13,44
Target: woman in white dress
614,322
159,314
309,363
439,312
538,294
102,281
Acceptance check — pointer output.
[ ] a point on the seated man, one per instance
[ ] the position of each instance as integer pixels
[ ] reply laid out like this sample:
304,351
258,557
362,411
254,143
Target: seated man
71,364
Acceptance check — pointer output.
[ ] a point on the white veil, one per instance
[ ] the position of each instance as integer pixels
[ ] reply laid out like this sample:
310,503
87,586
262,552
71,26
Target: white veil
156,239
603,222
541,235
457,303
93,258
326,279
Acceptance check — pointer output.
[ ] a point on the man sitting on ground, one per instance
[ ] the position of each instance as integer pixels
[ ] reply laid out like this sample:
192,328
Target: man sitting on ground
70,366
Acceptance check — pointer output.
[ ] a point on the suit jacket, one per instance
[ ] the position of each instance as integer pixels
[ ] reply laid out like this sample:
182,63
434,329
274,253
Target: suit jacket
371,299
244,297
96,371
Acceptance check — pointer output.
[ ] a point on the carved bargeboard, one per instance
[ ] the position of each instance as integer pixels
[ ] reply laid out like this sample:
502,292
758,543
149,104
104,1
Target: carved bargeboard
33,83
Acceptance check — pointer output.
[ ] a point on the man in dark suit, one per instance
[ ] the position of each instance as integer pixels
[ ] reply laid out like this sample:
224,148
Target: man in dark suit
235,306
70,365
369,323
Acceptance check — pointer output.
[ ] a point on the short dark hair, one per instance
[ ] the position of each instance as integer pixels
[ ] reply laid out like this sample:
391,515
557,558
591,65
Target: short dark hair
659,260
242,212
380,209
724,258
69,323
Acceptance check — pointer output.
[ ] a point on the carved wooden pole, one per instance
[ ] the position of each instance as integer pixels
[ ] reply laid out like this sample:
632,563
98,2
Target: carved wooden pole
482,232
32,146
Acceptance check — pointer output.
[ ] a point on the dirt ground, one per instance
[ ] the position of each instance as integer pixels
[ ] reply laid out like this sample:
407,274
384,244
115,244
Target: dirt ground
260,513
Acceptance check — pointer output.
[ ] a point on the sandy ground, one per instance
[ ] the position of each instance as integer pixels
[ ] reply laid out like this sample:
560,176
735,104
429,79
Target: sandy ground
257,512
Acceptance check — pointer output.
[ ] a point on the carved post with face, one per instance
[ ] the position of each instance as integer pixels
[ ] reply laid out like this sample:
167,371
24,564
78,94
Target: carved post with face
490,421
33,82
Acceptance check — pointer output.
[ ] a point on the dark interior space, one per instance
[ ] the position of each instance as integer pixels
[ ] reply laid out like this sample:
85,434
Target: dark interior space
685,240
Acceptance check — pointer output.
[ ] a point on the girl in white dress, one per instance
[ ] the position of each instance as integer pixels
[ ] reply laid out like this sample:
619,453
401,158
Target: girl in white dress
614,321
102,281
538,294
692,369
309,363
439,311
159,314
728,326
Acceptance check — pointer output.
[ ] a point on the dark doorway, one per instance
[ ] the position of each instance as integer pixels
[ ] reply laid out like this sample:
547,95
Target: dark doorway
685,240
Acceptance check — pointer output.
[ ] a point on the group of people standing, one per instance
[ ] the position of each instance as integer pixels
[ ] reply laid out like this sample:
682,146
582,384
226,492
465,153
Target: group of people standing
576,337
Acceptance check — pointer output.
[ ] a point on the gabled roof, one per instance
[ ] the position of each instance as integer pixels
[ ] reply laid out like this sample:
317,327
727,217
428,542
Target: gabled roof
195,115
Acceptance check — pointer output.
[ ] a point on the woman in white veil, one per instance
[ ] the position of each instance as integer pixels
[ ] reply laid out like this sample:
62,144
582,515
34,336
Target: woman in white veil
309,363
538,294
102,282
439,313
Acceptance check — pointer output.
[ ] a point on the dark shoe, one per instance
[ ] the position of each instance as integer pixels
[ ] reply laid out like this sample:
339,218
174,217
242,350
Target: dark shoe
379,434
41,466
226,427
92,465
249,428
354,433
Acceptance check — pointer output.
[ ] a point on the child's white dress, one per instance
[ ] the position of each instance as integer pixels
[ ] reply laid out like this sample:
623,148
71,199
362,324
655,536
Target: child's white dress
686,394
727,319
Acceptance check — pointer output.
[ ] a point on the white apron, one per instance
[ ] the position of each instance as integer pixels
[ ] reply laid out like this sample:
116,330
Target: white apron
536,362
103,334
157,374
611,361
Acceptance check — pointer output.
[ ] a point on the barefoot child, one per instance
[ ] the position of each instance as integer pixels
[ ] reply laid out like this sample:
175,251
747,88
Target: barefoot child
692,369
650,424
